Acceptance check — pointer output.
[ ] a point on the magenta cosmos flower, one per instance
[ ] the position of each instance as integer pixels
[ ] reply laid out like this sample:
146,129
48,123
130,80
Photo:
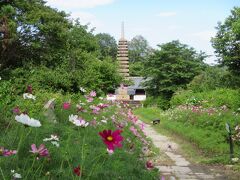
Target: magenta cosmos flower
6,152
66,105
112,139
41,151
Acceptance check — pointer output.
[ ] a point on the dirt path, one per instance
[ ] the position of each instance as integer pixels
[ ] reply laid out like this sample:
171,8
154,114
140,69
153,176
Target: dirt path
180,168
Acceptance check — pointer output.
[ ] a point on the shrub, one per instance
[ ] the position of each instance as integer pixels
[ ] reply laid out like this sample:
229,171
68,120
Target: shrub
159,101
214,98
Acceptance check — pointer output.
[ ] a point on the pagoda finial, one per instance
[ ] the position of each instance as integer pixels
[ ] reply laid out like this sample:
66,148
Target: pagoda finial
122,33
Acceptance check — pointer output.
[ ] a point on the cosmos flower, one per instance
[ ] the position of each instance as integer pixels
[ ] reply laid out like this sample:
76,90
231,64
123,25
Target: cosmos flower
26,120
41,151
29,89
89,99
52,138
77,170
29,96
82,89
16,175
6,152
66,105
16,110
93,93
78,121
110,152
149,165
134,130
112,139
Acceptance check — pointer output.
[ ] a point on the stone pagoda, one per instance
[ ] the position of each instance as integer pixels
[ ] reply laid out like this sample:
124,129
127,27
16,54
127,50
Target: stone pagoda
122,57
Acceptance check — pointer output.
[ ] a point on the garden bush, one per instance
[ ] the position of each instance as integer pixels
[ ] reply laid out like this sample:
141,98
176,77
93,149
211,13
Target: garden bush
214,98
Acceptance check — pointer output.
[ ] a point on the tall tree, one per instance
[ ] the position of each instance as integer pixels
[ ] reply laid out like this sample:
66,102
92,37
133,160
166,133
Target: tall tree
30,31
227,41
138,49
107,44
171,67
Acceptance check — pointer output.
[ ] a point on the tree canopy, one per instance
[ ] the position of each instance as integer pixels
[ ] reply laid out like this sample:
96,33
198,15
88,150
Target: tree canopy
227,41
40,42
171,67
107,44
139,49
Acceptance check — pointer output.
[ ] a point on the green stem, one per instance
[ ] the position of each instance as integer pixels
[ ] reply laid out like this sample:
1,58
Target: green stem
31,166
2,174
95,165
82,155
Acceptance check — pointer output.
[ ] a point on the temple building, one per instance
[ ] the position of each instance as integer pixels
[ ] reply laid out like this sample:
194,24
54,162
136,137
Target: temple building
135,92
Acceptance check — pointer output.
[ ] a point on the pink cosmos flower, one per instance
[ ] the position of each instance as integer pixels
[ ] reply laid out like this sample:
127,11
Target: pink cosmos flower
132,117
149,165
16,110
80,108
6,152
41,151
141,125
95,109
112,139
93,93
29,89
66,105
89,99
134,130
102,106
110,152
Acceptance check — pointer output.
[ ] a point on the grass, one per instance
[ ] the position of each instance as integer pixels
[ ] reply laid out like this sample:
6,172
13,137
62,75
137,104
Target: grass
197,144
78,145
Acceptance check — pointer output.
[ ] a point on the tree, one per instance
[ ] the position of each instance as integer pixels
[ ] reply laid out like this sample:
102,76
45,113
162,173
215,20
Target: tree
136,69
171,67
32,32
227,41
138,49
107,44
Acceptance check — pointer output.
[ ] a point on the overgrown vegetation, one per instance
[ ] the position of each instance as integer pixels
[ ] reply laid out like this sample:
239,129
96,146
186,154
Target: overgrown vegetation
42,45
78,145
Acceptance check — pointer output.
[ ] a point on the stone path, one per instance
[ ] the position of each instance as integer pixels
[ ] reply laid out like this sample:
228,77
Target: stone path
181,168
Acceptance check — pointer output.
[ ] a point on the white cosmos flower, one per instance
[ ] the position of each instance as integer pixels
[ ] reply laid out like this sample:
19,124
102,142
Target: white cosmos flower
29,96
78,121
104,121
82,89
55,143
25,119
73,118
17,176
52,138
81,122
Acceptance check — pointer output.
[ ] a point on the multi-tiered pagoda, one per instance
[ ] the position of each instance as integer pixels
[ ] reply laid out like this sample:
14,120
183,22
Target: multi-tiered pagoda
122,55
135,92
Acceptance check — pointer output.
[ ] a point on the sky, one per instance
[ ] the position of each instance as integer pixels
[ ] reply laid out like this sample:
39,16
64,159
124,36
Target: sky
192,22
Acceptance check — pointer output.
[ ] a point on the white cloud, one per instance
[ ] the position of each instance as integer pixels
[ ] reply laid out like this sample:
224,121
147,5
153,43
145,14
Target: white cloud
74,4
86,18
204,35
166,14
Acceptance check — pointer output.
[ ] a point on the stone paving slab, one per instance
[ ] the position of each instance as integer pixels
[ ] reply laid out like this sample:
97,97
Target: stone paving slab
182,169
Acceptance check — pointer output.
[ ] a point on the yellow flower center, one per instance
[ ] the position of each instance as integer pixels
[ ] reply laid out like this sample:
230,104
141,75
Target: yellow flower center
1,151
109,138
